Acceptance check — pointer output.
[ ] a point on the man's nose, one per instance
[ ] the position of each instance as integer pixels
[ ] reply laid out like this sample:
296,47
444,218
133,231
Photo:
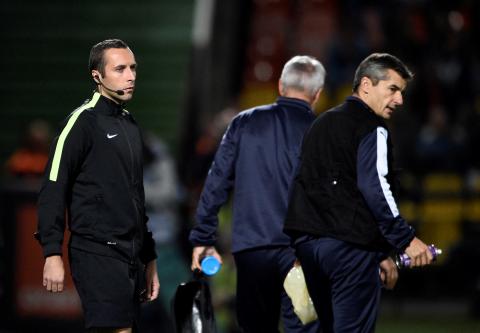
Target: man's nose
131,75
398,98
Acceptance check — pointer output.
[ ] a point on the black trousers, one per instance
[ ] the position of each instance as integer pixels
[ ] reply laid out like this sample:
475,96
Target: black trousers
261,297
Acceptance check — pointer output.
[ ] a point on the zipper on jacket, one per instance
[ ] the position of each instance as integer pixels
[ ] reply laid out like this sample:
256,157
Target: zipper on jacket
132,261
129,148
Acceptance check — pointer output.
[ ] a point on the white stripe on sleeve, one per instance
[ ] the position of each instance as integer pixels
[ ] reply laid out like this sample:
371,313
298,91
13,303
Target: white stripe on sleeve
382,169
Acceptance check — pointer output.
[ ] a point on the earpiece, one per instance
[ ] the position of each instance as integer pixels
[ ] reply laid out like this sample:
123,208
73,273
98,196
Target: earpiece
96,78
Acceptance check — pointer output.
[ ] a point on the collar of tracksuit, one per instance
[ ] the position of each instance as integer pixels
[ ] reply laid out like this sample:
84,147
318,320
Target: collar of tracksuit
365,108
356,99
106,106
294,102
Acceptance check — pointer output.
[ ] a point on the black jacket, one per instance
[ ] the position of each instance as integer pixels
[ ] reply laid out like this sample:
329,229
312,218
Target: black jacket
95,172
344,185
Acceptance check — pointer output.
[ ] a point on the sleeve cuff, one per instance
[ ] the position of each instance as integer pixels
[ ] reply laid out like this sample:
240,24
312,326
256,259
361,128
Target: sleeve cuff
404,244
148,253
51,249
147,257
199,238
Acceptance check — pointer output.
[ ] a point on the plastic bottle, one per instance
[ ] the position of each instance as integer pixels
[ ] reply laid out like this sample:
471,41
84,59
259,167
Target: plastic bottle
402,260
210,265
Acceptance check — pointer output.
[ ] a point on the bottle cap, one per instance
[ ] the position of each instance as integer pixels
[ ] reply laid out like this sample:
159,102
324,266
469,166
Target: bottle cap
210,265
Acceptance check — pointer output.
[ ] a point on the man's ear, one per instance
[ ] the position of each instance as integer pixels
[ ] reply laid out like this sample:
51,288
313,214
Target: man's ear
317,96
96,76
365,84
280,88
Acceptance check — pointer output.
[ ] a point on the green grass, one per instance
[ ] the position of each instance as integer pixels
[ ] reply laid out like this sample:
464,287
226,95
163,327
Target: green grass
427,325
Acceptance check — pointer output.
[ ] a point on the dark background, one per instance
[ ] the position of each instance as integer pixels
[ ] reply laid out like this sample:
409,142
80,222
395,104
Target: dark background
201,62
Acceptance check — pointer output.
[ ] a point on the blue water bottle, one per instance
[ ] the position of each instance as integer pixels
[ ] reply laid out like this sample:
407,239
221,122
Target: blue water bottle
210,265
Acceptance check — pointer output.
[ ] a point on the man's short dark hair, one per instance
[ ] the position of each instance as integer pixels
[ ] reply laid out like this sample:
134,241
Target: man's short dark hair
96,61
375,67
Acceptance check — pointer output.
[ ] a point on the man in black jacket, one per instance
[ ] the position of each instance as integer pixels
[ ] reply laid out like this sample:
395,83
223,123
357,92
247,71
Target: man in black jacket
95,173
342,211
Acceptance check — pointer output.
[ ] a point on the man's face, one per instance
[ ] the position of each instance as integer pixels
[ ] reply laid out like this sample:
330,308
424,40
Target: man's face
386,95
120,74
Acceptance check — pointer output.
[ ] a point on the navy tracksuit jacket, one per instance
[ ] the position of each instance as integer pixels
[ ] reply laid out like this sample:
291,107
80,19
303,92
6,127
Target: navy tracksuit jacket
257,158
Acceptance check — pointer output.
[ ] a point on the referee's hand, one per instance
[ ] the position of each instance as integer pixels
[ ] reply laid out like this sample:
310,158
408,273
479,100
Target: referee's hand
53,274
153,283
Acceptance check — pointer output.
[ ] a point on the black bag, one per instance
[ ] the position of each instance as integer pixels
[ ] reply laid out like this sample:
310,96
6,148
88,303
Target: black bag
192,306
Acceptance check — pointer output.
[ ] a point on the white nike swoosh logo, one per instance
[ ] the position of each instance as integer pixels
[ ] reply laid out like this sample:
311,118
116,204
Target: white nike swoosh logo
110,136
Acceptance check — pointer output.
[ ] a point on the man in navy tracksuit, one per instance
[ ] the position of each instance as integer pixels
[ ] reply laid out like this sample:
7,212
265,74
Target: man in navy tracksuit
95,172
257,157
342,213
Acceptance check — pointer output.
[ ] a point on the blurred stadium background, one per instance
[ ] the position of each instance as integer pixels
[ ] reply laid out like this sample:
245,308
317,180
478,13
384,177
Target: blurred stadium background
201,62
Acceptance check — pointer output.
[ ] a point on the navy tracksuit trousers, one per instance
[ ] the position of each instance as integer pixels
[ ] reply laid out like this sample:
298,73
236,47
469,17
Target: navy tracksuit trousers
343,282
260,292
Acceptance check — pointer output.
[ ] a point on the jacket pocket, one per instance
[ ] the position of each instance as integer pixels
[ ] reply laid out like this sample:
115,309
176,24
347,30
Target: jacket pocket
333,200
93,212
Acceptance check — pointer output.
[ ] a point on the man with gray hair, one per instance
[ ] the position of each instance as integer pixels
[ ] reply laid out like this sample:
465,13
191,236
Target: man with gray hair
257,157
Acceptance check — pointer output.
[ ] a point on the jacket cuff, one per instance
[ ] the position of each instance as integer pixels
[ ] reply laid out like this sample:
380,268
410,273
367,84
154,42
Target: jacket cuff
199,238
381,256
199,243
401,246
147,252
51,249
147,257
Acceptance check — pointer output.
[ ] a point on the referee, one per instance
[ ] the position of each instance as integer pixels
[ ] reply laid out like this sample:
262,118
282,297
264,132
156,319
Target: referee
95,174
